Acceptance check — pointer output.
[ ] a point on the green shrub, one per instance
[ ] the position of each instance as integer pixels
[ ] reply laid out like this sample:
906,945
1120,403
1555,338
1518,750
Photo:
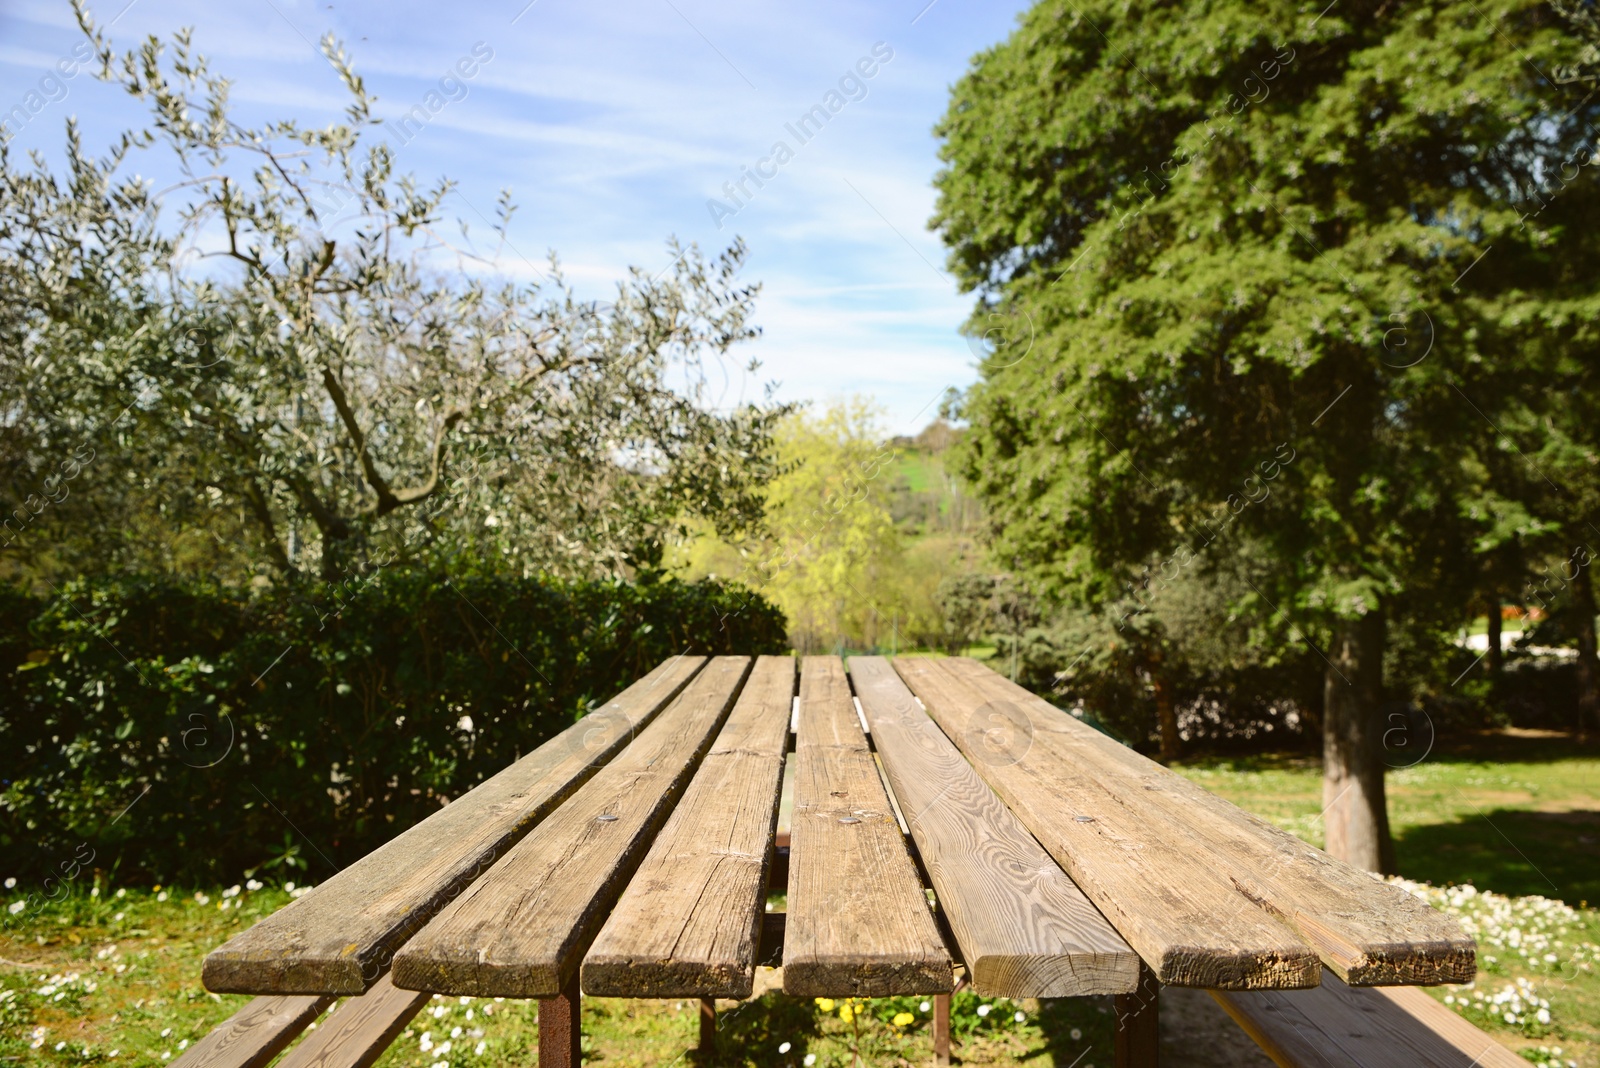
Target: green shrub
182,733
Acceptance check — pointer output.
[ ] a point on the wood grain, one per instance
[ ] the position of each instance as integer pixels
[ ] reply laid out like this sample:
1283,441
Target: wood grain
689,922
1337,1025
1163,892
858,922
1367,931
340,937
521,930
251,1037
356,1033
1024,928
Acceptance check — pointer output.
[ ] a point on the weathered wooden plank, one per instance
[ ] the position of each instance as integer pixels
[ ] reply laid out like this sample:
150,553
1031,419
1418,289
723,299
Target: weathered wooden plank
1024,928
1162,891
859,922
251,1037
688,924
521,929
340,937
1337,1024
1368,932
358,1031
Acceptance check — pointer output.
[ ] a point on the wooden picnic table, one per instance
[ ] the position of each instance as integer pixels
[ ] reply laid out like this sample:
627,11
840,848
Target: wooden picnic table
948,827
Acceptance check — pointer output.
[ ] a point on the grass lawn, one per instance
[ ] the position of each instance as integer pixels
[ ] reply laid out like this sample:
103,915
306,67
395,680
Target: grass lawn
112,977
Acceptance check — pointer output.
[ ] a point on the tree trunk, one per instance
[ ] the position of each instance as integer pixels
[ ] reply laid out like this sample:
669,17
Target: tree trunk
1588,670
1166,716
1355,813
1494,658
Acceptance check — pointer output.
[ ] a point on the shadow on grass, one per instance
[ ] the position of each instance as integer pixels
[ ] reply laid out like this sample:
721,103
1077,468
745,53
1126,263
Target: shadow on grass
1091,1019
1509,851
751,1032
1466,747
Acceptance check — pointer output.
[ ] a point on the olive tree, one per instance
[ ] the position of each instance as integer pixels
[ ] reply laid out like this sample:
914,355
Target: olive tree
290,348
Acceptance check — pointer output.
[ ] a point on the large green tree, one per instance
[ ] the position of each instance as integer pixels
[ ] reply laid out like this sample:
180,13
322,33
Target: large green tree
1266,252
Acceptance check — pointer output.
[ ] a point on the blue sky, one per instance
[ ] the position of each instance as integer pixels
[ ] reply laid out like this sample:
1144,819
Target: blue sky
614,124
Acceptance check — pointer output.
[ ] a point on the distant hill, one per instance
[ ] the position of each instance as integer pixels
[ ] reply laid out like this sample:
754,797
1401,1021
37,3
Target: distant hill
935,438
926,497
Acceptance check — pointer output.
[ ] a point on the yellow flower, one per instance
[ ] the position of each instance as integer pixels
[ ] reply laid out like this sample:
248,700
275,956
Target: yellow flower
901,1019
845,1013
825,1004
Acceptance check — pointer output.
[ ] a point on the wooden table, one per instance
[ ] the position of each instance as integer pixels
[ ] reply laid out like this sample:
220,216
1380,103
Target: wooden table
947,826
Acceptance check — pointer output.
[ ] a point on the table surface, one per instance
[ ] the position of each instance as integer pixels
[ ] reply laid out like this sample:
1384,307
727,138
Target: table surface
944,821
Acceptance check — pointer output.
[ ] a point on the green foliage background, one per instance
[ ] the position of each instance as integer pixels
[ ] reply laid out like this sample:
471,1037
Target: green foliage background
297,732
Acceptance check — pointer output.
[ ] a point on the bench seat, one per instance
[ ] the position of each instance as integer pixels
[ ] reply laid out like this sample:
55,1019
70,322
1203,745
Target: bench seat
1334,1025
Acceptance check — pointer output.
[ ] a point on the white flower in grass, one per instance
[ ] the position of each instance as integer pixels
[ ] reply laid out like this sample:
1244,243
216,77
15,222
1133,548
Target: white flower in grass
925,1007
95,892
1076,1034
161,896
251,884
783,1047
122,893
811,1058
444,1048
10,883
16,907
479,1048
983,1010
1020,1017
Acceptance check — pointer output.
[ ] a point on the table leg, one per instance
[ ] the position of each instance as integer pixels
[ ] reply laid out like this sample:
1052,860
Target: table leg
560,1027
941,1029
1138,1024
708,1025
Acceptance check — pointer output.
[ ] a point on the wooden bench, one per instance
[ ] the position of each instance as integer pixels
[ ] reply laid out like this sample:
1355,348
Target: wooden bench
1336,1025
631,855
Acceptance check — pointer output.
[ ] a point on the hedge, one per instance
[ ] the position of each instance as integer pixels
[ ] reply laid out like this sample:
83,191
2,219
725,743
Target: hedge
162,733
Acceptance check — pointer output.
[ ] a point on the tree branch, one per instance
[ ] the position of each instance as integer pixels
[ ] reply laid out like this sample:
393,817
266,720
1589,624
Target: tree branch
389,498
269,529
